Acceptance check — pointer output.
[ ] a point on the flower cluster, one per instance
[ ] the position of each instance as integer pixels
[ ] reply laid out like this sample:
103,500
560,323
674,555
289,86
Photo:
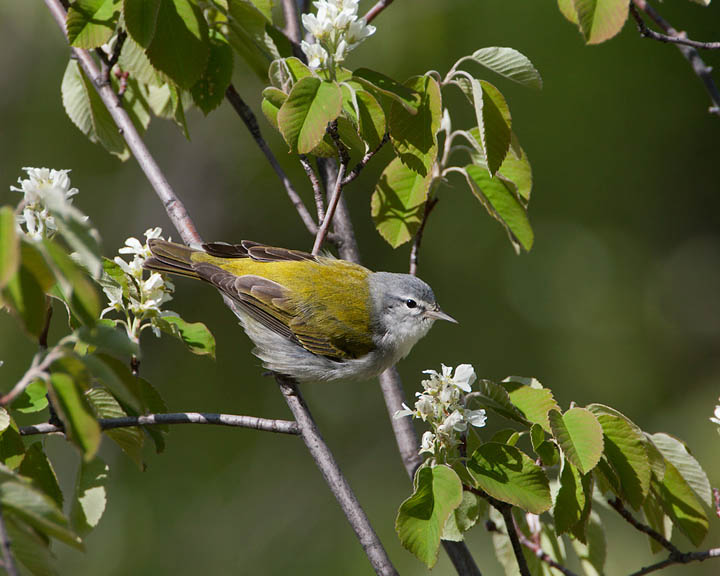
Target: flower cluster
441,404
43,188
337,30
715,418
141,304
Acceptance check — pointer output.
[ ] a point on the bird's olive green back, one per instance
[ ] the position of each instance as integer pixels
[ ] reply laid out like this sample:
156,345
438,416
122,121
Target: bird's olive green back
325,302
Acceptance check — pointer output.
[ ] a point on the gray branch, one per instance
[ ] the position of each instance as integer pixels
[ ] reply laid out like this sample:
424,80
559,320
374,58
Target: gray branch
334,478
232,420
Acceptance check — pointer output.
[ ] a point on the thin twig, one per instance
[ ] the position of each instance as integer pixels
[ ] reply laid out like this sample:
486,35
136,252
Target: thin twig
232,420
374,12
317,188
617,504
107,62
685,558
646,32
248,117
702,70
337,190
292,21
415,250
537,550
173,206
8,560
355,172
334,478
506,511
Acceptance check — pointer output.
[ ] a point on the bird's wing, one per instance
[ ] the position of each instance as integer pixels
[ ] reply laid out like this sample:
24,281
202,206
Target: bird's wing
269,303
256,251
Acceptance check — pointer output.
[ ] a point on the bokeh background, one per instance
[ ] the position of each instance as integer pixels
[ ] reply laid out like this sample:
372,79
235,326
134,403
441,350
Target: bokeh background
618,302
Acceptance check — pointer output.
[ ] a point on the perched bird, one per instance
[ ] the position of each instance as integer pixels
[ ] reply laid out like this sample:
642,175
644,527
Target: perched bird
310,317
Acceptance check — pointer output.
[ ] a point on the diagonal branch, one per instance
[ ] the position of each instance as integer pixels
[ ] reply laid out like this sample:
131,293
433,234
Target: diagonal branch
248,117
232,420
374,12
334,478
355,172
292,21
701,70
317,188
415,250
685,558
617,504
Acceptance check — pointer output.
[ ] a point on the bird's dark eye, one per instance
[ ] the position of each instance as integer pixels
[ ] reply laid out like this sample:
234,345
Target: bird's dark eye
410,303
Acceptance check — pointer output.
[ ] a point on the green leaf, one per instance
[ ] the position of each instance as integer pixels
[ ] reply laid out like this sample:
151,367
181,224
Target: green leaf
504,550
12,447
511,476
494,397
464,517
79,293
414,135
567,8
9,246
209,92
273,99
80,425
570,500
195,335
405,95
592,553
265,7
304,116
600,20
518,171
37,467
509,63
30,548
248,35
421,517
174,34
104,337
90,495
91,23
677,453
372,121
398,202
580,436
87,111
534,403
657,520
141,19
681,504
38,510
284,72
498,197
626,453
25,298
494,122
130,440
134,61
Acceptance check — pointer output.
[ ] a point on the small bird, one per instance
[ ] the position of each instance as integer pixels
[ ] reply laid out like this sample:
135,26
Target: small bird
312,318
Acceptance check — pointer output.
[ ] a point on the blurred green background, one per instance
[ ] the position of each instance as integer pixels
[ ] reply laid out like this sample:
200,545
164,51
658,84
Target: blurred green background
618,302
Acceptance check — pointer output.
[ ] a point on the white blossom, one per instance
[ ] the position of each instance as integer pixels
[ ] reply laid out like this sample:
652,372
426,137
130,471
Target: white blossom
441,404
44,188
337,30
716,415
142,305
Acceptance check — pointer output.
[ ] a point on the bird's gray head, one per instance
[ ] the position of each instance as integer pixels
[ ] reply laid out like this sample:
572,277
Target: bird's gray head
404,309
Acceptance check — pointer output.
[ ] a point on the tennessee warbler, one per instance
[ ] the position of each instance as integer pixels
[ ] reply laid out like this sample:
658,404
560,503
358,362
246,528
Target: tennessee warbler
310,317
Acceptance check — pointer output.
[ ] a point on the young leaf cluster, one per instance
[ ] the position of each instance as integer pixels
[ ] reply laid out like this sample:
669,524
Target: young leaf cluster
553,464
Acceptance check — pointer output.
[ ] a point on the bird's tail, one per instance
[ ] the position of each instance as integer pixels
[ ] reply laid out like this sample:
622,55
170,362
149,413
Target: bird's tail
170,258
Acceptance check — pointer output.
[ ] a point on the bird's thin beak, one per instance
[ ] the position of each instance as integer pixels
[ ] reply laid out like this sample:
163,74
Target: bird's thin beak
438,314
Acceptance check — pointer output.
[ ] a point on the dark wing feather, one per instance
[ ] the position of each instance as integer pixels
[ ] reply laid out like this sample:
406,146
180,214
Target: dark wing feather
256,251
